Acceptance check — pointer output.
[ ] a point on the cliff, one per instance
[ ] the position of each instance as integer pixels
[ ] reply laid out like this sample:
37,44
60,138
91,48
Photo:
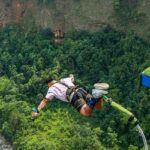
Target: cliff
69,15
4,145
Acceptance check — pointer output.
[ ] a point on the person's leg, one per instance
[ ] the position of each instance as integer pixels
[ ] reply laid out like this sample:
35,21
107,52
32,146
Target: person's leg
99,104
85,103
81,105
86,110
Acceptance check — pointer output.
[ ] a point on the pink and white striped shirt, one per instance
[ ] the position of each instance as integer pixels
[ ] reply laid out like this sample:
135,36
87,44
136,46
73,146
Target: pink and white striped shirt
58,90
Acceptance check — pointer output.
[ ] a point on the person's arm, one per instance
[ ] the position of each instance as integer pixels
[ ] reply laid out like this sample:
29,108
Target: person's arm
42,104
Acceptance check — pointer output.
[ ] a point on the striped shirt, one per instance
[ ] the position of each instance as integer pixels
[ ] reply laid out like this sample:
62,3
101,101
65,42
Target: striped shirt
58,90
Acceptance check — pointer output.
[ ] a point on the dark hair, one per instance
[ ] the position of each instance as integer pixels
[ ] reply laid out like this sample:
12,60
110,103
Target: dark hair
49,79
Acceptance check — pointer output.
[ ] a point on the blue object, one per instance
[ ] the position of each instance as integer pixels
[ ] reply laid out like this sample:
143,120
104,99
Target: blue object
145,80
34,109
91,103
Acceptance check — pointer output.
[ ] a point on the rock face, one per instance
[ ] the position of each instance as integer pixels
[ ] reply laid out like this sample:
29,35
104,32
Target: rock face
68,15
58,14
4,145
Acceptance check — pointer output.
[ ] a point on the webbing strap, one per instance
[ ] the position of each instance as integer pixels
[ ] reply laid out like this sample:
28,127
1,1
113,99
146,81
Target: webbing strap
70,90
64,84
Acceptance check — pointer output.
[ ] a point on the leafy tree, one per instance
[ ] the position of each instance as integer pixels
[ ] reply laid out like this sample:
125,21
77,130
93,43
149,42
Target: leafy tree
28,56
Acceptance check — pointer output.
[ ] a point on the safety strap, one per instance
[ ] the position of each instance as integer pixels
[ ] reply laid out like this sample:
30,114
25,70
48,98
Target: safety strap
71,90
64,84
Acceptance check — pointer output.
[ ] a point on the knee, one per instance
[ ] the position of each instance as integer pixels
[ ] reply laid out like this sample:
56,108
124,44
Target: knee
85,114
85,111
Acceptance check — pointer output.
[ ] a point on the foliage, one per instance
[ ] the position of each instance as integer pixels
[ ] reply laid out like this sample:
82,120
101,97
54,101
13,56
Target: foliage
8,89
126,11
45,2
28,56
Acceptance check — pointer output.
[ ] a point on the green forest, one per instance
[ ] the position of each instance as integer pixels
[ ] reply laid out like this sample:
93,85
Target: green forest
29,55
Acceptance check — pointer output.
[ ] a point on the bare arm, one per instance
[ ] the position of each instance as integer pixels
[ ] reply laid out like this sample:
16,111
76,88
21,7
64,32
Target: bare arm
42,104
49,96
40,107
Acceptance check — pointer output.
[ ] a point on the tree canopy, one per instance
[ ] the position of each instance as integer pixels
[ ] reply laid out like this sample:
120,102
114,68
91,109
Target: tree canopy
28,56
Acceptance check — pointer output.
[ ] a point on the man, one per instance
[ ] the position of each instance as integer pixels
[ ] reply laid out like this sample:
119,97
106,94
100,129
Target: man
66,91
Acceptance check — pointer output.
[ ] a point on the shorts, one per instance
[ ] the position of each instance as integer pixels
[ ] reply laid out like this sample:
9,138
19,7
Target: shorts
78,98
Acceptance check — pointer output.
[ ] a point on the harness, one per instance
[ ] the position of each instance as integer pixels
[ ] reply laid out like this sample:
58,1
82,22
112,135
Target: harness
75,95
71,90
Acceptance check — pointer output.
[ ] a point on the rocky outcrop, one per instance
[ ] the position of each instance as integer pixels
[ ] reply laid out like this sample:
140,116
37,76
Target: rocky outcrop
4,145
68,15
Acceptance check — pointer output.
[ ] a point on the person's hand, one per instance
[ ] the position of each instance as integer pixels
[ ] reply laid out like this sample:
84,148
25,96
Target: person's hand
34,115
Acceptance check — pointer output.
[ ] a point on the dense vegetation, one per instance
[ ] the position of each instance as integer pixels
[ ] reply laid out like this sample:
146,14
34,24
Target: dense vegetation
30,55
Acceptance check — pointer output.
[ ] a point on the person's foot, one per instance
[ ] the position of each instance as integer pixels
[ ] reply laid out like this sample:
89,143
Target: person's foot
97,93
101,86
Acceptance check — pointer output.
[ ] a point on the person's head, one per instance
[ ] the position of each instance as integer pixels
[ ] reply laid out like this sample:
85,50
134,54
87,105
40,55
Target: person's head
49,81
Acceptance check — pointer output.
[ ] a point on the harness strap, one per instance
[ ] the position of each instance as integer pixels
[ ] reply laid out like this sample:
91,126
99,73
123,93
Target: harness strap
75,95
71,90
64,84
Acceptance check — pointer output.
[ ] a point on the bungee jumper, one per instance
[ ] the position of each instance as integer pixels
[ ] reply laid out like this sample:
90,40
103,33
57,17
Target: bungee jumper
78,97
84,102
